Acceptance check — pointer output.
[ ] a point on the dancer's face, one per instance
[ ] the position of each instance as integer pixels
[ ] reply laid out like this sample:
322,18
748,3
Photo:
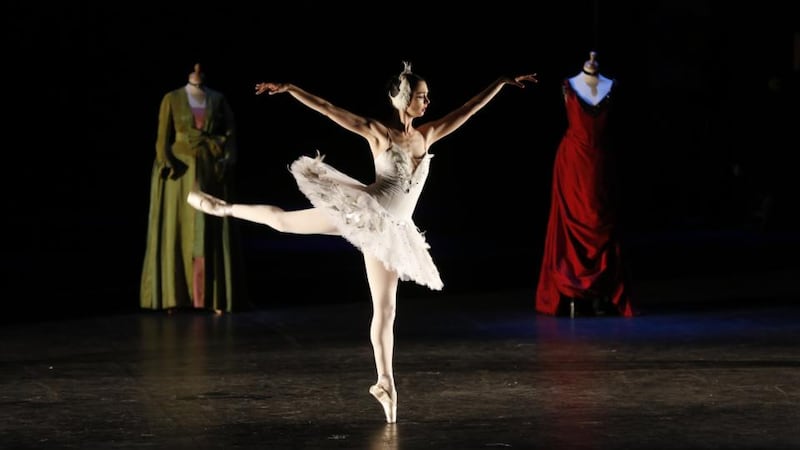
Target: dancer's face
419,100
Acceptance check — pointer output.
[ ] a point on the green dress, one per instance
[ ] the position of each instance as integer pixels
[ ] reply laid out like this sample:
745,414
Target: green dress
192,260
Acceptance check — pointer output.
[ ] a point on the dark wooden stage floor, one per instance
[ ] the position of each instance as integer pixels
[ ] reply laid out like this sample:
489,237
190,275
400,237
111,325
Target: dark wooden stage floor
711,363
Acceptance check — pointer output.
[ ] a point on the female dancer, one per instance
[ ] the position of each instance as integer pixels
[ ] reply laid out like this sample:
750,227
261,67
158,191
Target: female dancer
376,218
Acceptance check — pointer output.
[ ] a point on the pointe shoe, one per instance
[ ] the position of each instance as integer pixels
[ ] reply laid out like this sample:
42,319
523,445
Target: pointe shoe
388,402
208,204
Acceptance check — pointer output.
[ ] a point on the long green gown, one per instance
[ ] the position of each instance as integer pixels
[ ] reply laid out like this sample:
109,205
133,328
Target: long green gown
192,260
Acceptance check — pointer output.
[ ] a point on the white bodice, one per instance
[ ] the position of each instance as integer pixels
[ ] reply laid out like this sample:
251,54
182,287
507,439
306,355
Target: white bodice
398,184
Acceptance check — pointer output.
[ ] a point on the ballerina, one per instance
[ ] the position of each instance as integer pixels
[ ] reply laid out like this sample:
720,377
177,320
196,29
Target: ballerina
376,218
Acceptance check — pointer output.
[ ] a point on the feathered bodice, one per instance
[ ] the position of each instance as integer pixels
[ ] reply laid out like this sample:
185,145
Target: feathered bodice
398,183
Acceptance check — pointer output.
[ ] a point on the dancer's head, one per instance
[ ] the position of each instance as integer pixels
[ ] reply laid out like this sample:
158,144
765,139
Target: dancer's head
409,92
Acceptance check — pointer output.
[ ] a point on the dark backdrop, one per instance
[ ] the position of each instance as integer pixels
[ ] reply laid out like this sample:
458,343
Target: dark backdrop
706,109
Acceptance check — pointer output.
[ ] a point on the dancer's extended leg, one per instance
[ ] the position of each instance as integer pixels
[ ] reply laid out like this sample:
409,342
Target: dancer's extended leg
304,221
382,282
383,288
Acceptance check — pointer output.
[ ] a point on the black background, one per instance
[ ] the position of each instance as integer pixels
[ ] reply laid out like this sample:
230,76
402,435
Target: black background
706,112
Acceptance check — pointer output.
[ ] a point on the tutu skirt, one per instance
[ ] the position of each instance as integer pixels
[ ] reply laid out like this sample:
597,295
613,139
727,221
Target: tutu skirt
359,216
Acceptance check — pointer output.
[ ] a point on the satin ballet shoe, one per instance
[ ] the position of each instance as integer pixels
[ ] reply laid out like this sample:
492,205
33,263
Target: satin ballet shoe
208,204
388,402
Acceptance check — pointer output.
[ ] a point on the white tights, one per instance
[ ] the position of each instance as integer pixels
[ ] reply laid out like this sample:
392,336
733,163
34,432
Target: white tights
382,282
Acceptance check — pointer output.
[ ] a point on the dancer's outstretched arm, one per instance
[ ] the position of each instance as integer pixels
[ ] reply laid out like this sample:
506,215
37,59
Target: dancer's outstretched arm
437,129
369,129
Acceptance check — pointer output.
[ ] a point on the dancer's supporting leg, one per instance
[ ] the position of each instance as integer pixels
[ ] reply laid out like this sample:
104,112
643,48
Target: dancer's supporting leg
383,287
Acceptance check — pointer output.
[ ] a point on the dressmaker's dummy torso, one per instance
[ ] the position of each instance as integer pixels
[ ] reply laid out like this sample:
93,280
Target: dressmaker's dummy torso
197,96
590,84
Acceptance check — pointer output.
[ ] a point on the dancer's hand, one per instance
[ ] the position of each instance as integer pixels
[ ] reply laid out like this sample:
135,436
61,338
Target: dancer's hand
271,88
520,79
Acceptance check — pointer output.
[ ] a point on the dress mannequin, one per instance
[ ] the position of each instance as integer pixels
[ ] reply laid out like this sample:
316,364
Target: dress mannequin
582,265
590,85
192,261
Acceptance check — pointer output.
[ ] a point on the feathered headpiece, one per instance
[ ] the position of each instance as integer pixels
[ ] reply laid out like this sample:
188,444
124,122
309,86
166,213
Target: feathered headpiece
403,96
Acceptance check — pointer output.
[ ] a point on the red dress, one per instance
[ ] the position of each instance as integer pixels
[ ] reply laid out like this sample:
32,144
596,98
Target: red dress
582,257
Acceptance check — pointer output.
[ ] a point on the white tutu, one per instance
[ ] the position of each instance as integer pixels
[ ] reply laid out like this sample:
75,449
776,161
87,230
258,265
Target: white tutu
359,213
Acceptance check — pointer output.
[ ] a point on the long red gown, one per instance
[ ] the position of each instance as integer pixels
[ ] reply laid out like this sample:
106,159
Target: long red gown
582,256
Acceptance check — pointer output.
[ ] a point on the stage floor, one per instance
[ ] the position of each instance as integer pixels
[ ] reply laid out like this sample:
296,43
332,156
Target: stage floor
709,364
